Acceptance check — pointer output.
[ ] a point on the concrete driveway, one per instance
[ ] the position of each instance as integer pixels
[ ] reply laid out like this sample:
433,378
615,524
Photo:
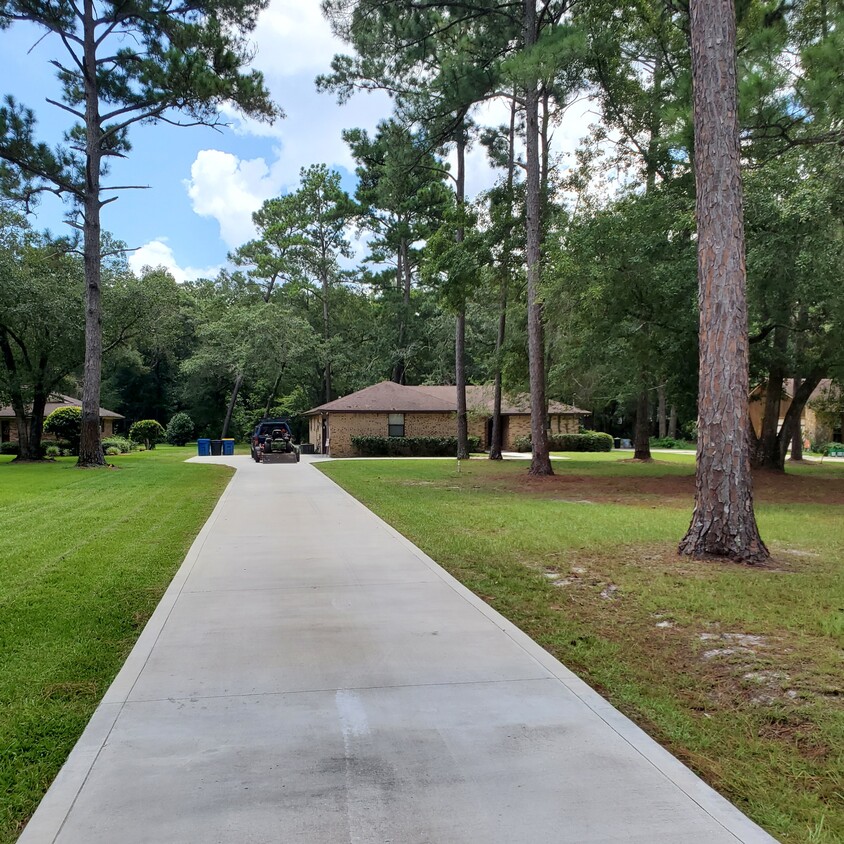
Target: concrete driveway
310,676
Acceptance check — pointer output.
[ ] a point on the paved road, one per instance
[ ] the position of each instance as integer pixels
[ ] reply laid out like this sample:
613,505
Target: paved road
310,676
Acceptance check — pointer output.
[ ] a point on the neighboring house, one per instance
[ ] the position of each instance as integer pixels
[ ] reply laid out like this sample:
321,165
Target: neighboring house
817,424
9,427
395,410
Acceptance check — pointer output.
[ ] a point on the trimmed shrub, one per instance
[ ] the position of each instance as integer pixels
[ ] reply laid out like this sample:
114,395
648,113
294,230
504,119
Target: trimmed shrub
111,451
411,446
179,429
140,447
147,431
122,444
584,441
53,451
65,423
830,448
10,448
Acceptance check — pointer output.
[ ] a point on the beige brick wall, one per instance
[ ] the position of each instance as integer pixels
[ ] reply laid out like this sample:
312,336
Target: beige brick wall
516,426
564,424
430,425
343,426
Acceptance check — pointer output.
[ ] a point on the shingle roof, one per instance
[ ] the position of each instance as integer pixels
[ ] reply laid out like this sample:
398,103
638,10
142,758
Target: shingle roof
389,397
58,400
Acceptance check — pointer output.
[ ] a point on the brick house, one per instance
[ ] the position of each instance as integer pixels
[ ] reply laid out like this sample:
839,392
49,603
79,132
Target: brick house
396,410
9,427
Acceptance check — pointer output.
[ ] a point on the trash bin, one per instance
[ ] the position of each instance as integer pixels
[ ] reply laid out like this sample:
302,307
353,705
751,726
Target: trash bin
228,446
617,442
216,448
307,448
203,447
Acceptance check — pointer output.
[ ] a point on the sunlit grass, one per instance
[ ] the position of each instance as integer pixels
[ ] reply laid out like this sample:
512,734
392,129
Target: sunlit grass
86,556
543,552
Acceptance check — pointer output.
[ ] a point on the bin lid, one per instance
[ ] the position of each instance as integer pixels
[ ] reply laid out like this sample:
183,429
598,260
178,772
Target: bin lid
204,440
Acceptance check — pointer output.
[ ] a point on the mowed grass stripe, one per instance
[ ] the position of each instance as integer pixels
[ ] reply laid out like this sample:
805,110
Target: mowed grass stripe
91,553
763,723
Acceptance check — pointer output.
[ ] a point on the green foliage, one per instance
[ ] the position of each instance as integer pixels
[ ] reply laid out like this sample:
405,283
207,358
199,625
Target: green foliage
147,431
112,451
122,444
65,423
668,442
179,429
584,441
52,451
9,448
827,449
411,446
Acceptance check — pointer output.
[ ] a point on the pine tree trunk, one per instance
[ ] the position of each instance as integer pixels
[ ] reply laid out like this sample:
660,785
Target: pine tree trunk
672,423
90,443
723,523
661,411
496,434
326,335
541,460
642,431
230,409
460,332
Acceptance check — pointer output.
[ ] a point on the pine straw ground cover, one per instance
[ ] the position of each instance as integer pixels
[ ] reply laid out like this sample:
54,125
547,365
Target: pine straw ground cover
737,670
86,556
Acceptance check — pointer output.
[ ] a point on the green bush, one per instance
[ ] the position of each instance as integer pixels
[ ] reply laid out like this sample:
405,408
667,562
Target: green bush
65,423
140,447
10,448
411,446
112,451
179,429
53,451
122,444
584,441
827,448
668,442
147,431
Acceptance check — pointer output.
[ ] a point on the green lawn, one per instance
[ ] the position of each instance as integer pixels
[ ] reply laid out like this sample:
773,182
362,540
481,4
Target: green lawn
86,556
586,564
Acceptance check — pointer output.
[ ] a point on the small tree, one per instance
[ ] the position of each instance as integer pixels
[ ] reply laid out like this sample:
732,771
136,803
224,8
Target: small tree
147,431
179,429
65,423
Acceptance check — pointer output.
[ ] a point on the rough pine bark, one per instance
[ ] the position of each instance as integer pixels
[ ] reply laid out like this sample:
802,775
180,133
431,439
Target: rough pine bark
541,460
672,423
661,411
723,523
90,443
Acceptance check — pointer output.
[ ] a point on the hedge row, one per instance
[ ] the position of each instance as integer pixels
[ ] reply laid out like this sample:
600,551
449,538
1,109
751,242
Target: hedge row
585,441
411,446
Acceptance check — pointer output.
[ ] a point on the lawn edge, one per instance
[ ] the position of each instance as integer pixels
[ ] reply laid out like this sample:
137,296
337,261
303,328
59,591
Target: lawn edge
50,814
714,804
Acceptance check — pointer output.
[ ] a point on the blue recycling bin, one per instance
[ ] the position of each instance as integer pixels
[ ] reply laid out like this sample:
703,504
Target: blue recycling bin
203,447
228,447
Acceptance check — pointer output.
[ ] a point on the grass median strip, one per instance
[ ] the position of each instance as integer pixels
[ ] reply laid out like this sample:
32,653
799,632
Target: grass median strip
86,558
736,670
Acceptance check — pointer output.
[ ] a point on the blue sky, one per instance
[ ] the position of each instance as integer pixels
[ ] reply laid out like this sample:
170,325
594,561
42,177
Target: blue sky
205,184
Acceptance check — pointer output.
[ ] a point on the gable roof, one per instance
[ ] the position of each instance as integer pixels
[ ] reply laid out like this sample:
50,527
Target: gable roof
56,401
389,397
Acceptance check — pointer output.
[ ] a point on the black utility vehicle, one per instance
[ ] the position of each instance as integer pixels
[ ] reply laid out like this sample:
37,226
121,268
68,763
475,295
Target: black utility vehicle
269,431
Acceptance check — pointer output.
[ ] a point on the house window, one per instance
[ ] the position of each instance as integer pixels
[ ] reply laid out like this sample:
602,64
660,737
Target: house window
395,425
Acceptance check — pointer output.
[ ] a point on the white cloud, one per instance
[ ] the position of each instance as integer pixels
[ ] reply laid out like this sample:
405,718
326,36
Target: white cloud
230,190
157,253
